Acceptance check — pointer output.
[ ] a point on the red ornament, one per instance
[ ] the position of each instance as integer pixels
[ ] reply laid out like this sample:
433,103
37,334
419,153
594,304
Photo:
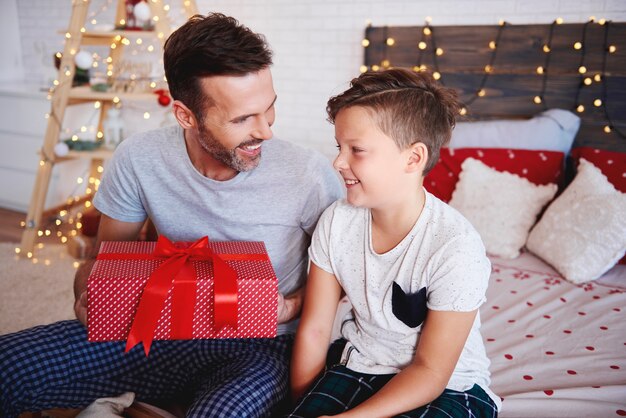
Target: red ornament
164,100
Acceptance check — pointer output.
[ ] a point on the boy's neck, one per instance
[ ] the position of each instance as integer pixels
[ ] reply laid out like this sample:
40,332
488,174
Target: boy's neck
391,224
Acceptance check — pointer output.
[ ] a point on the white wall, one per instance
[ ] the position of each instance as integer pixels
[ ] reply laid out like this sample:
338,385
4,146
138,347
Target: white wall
316,42
10,47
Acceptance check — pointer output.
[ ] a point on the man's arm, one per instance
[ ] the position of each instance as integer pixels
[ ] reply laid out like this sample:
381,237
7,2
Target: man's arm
109,230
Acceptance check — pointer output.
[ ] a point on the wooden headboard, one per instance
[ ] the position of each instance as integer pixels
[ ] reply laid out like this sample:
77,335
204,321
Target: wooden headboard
513,86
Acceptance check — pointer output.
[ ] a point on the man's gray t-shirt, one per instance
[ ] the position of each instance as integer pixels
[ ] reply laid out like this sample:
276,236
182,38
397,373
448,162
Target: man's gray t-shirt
279,202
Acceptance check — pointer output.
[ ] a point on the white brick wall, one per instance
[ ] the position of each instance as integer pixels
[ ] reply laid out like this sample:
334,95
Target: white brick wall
316,42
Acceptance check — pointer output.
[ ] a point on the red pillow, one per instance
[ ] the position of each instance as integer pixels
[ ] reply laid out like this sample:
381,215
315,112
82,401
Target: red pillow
539,167
611,163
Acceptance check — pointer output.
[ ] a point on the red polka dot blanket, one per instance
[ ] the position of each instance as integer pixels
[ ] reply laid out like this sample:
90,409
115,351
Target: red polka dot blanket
557,349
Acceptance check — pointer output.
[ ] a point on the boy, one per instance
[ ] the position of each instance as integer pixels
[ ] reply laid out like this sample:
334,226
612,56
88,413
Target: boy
414,270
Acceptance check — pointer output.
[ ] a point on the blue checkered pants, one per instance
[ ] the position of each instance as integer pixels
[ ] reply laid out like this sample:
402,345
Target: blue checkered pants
54,366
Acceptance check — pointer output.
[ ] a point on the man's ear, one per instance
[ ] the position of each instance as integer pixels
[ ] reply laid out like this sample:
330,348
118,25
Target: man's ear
185,117
418,156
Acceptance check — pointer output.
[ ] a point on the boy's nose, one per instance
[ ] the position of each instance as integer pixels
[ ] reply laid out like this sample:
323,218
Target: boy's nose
339,163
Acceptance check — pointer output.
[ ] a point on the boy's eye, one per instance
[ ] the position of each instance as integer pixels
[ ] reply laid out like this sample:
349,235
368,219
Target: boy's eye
354,149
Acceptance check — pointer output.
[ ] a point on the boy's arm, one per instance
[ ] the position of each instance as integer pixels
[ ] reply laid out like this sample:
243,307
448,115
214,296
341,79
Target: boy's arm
444,334
108,230
313,336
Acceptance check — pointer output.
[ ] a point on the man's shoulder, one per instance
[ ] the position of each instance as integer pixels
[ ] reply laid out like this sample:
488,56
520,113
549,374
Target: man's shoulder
152,138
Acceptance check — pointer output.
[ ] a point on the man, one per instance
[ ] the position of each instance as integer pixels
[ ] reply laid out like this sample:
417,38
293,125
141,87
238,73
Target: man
218,174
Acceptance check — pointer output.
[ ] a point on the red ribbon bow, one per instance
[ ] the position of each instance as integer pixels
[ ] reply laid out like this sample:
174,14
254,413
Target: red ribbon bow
177,271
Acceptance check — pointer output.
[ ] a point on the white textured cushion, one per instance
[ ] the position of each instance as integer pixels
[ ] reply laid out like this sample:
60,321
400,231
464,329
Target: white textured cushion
552,130
501,206
583,232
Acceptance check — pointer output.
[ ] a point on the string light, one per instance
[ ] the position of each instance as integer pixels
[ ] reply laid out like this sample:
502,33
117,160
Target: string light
610,127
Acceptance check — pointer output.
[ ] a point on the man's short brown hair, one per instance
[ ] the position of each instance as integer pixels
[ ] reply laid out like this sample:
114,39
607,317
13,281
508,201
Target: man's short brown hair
207,46
407,106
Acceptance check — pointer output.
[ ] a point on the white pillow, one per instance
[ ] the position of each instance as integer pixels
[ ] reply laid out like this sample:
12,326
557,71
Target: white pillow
583,232
552,130
500,205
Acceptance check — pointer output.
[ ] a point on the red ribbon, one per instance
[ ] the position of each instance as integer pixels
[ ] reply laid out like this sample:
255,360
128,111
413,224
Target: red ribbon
177,271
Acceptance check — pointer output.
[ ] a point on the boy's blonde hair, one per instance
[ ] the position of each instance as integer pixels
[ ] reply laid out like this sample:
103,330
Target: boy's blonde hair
407,106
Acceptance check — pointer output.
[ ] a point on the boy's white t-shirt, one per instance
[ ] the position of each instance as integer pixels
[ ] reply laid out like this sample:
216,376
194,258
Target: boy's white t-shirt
442,254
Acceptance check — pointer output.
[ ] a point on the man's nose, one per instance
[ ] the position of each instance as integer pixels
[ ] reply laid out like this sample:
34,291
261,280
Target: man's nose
263,130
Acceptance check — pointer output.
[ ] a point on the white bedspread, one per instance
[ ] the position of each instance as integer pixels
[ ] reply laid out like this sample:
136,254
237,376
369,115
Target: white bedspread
556,349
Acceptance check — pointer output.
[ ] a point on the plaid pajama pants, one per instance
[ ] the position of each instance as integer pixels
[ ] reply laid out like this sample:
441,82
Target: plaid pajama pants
340,389
54,366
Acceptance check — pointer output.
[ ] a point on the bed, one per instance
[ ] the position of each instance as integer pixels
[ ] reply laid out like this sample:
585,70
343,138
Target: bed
543,180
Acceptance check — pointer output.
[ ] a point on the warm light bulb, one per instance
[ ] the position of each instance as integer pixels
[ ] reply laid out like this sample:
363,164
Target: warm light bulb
559,20
436,75
492,44
587,81
363,68
488,68
537,99
546,48
578,45
385,63
582,69
612,49
463,111
365,43
481,93
597,78
602,21
597,103
439,51
375,68
427,31
146,115
607,129
540,70
390,41
580,108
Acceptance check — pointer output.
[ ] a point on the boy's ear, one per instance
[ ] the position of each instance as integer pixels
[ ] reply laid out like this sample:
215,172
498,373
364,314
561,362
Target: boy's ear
185,117
418,156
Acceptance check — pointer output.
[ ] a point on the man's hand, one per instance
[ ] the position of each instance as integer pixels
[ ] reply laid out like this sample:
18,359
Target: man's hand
80,290
80,308
289,307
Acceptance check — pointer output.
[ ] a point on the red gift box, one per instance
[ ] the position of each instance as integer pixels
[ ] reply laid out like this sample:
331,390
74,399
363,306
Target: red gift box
144,291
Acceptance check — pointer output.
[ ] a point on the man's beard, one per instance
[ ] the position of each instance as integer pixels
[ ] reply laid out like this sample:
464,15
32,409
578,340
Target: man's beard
227,156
